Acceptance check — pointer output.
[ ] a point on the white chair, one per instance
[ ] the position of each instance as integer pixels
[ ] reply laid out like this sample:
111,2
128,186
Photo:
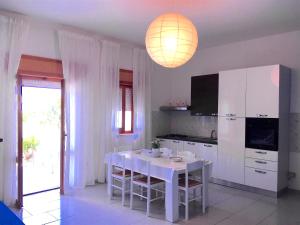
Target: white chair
119,174
186,154
189,185
143,182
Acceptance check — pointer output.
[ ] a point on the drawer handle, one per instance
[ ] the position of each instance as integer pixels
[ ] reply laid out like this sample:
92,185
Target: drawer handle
205,145
190,143
261,162
161,140
261,115
260,152
259,171
175,141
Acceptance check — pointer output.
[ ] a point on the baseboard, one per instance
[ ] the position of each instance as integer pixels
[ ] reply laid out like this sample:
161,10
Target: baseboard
243,187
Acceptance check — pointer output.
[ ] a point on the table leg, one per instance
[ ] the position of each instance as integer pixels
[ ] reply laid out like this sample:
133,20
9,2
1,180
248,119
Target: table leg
108,179
171,201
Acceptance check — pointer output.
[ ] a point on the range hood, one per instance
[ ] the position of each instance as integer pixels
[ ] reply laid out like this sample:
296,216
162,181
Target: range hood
174,108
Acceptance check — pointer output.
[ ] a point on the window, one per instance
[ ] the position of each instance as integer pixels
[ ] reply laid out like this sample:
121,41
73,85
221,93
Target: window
125,113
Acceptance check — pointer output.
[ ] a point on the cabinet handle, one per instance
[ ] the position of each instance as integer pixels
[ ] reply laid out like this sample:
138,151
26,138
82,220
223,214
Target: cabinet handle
230,118
175,141
206,145
261,115
1,139
259,171
190,143
260,152
161,140
261,162
230,114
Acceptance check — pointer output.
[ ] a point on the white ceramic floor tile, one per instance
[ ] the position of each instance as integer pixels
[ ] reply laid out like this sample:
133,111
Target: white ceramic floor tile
92,206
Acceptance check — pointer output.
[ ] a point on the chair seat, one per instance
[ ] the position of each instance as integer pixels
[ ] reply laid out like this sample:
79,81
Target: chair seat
127,173
191,183
153,180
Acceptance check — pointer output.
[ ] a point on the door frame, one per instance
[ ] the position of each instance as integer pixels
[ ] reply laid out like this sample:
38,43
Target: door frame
20,78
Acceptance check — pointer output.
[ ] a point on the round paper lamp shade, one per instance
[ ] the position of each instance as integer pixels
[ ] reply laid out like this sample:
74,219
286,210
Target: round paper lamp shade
171,40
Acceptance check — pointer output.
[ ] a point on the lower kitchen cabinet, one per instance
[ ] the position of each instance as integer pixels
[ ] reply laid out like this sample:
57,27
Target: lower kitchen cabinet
259,178
210,152
193,147
231,149
164,143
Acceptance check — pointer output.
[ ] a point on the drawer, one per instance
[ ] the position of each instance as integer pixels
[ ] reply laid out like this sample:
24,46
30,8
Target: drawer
261,164
262,154
209,147
263,179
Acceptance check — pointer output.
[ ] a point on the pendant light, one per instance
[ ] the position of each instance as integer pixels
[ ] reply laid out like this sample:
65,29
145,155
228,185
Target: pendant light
171,40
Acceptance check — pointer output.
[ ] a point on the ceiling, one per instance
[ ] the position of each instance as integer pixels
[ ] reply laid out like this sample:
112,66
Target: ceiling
217,21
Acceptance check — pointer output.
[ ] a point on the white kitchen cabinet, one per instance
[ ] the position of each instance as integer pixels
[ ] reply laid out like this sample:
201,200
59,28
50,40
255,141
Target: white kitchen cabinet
176,145
210,152
232,93
231,149
262,96
193,147
259,178
164,143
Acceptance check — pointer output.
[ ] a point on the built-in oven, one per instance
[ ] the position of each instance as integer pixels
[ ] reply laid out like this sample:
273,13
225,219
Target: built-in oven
262,133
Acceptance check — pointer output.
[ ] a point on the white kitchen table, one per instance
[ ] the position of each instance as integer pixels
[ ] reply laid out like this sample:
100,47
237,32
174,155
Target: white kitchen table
170,178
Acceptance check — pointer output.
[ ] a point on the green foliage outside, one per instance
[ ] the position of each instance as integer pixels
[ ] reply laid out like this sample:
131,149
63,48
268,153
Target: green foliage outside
30,143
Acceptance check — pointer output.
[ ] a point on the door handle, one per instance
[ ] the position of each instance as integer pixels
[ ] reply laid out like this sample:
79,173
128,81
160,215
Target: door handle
1,140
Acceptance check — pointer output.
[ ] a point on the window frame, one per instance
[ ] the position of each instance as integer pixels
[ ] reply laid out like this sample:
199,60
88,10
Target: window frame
123,86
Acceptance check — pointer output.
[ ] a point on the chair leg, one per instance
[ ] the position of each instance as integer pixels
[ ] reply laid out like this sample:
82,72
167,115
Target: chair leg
203,201
187,205
123,192
141,192
148,200
131,194
111,189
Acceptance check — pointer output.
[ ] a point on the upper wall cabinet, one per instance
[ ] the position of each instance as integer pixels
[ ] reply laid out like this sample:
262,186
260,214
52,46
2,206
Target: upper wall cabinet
204,96
232,93
262,97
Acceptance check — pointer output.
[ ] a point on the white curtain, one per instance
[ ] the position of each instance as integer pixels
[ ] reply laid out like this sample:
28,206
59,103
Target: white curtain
80,58
142,69
13,34
108,101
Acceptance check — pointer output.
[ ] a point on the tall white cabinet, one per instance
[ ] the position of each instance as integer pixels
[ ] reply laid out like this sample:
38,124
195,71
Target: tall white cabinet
263,91
259,92
231,125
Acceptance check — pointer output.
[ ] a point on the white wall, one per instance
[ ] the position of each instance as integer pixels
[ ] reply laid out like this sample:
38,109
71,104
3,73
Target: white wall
277,49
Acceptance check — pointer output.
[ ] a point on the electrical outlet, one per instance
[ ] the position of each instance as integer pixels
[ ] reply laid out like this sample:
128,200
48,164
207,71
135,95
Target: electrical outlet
291,175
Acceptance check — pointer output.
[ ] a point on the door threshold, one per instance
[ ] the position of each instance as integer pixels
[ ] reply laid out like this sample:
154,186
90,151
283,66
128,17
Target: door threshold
38,192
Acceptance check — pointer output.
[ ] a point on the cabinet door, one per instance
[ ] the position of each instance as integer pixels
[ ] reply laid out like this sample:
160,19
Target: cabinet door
193,147
176,145
164,143
232,93
210,153
231,149
262,97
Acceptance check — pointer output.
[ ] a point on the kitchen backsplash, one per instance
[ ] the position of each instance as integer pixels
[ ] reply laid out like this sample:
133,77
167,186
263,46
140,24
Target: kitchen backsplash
182,123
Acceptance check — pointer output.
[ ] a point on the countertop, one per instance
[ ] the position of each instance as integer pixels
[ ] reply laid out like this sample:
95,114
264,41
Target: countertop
206,140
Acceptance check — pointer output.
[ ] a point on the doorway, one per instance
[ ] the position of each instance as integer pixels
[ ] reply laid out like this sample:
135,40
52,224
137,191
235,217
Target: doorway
41,109
41,136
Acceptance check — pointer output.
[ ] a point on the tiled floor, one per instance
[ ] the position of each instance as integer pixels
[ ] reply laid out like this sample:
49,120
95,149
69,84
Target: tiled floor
92,206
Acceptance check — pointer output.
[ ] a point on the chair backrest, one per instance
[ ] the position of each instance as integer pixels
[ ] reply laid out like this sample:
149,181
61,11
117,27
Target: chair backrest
117,160
141,166
193,166
186,154
161,172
